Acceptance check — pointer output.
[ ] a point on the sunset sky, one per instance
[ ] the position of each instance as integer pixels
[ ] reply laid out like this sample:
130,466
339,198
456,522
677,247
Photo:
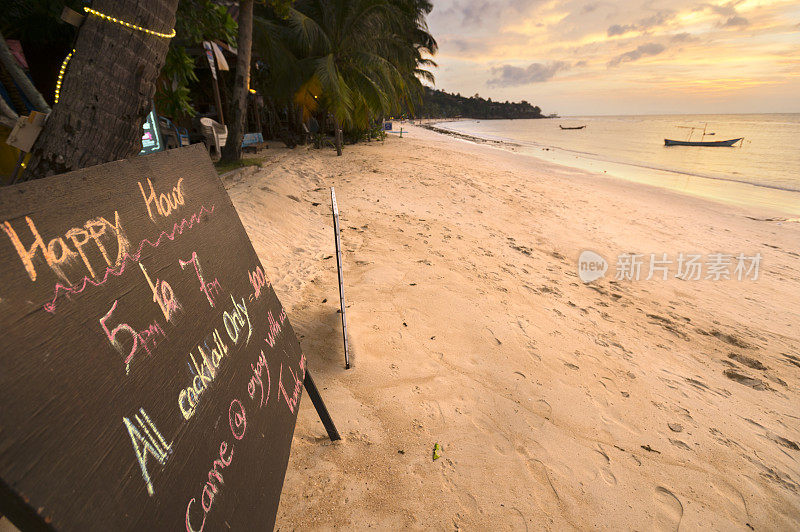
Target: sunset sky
622,57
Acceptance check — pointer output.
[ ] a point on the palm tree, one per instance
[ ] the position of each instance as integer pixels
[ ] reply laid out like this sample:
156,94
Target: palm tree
233,146
107,90
365,55
277,73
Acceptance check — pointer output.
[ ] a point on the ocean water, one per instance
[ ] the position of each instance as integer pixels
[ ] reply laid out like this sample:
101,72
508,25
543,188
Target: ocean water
763,172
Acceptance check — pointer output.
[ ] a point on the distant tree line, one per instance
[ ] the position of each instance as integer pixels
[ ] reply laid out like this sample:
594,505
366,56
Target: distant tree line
440,104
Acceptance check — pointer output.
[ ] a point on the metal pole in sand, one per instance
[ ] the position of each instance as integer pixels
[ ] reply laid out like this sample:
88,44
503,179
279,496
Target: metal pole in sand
341,279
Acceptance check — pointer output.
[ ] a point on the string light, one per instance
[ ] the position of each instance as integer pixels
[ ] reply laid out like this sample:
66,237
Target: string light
61,74
103,16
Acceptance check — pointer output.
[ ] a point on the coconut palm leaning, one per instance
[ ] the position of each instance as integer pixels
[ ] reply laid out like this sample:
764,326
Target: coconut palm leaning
365,56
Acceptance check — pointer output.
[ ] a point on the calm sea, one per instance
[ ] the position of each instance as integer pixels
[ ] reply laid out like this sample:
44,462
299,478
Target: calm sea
763,172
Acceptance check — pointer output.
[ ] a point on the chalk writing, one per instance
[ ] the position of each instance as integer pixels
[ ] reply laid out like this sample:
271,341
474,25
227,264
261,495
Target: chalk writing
163,295
234,320
207,288
256,379
57,252
237,419
204,373
259,280
238,425
140,339
165,203
147,444
275,326
125,259
90,259
296,382
210,488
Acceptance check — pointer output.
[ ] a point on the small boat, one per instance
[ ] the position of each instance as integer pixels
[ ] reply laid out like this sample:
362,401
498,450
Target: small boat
577,127
730,142
702,141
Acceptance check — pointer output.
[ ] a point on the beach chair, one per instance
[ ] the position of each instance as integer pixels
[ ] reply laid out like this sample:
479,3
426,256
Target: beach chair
181,133
175,137
215,134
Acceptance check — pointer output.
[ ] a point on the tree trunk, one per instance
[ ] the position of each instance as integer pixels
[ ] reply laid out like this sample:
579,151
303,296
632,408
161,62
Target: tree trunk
337,136
299,125
273,117
233,146
107,90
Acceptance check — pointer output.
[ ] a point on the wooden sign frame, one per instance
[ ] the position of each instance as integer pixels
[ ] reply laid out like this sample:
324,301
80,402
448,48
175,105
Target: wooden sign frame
149,375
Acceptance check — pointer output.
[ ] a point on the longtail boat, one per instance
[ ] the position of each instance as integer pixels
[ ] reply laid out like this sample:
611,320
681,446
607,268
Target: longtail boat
702,142
730,142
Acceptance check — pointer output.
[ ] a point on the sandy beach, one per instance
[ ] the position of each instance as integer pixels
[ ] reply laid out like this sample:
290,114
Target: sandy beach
649,404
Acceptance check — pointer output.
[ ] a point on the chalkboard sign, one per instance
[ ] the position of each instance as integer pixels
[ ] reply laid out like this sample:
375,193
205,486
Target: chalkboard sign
149,376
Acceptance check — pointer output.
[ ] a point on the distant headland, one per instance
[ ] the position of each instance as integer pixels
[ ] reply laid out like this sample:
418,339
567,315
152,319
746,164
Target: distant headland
446,105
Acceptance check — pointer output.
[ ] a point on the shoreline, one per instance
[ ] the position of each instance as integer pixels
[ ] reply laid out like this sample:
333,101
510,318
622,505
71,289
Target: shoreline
772,198
556,403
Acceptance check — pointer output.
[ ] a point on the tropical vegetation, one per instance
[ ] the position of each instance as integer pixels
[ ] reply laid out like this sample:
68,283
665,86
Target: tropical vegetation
318,66
343,63
442,104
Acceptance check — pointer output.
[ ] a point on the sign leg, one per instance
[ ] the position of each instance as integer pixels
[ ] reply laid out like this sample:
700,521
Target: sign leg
320,407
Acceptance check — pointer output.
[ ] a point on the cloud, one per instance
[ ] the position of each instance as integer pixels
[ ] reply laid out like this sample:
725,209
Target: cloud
682,37
732,17
642,25
736,21
651,48
618,29
510,76
486,14
462,45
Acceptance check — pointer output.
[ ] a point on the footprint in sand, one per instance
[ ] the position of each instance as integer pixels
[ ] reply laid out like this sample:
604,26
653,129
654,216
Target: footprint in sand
604,466
537,412
667,510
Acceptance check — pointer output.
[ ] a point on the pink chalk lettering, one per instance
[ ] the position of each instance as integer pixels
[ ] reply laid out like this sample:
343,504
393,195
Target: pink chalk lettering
123,258
207,288
237,419
140,339
291,402
258,369
189,527
259,280
275,326
210,488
